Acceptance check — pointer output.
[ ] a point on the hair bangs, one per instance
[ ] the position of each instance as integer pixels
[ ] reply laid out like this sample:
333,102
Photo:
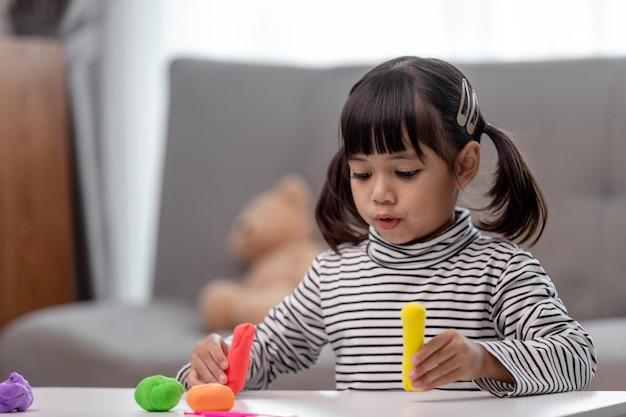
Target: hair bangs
382,113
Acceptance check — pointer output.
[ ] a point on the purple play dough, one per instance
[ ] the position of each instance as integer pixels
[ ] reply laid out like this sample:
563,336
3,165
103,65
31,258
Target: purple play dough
15,394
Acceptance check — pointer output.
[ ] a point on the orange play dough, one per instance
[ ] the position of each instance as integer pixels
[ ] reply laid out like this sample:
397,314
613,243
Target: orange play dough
210,397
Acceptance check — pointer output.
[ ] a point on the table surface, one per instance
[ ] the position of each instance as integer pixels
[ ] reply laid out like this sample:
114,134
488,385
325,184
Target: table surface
119,402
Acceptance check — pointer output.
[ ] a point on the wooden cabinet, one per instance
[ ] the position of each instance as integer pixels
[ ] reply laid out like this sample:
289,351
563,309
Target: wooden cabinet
36,268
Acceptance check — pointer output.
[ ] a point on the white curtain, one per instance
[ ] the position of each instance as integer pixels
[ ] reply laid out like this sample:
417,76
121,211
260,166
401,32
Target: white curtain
143,35
339,31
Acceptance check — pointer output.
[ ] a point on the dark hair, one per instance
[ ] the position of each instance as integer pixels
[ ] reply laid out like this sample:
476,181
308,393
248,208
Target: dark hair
418,99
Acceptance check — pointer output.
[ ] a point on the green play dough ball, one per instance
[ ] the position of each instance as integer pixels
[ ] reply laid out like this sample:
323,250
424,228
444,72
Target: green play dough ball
158,393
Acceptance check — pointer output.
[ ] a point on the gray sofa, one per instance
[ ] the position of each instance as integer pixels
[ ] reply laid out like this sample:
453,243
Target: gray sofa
235,128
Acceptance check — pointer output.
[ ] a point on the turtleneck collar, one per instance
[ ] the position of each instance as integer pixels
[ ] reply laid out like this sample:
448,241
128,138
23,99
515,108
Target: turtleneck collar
424,254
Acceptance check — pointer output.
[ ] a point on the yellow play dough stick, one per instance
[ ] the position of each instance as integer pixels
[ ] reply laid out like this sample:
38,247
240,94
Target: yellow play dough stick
413,324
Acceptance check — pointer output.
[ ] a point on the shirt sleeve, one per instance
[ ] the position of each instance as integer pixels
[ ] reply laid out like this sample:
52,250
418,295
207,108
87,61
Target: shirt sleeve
182,374
288,340
541,346
292,335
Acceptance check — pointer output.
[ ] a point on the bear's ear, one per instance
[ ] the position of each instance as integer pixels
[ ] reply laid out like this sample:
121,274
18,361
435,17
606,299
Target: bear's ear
294,190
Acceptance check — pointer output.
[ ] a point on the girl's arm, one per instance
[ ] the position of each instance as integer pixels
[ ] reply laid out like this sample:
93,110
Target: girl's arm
542,347
290,337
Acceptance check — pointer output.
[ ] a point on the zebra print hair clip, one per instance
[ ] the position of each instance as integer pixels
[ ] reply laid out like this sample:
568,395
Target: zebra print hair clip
467,115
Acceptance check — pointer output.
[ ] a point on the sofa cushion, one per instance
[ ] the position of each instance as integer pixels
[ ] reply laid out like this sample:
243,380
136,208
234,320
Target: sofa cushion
103,345
97,344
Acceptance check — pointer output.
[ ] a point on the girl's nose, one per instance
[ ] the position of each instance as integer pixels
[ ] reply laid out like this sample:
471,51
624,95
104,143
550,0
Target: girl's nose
383,192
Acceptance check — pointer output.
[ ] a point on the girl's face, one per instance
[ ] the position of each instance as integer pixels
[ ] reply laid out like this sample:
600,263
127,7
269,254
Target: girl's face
403,198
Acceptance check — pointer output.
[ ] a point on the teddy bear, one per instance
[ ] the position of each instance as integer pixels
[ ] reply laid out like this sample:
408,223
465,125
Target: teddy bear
274,236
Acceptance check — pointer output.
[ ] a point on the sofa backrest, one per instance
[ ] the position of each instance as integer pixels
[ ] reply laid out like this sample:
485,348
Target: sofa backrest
235,128
570,119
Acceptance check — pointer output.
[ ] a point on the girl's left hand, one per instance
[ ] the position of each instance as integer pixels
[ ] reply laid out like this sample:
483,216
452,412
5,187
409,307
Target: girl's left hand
451,357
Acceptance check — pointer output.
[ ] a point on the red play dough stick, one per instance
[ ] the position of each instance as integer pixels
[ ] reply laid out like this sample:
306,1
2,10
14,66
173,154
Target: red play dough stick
239,356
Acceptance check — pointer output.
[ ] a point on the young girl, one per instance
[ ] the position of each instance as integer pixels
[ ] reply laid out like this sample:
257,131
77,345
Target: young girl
411,129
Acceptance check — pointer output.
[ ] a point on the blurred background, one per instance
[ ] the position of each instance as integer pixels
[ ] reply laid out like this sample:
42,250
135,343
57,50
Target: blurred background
117,54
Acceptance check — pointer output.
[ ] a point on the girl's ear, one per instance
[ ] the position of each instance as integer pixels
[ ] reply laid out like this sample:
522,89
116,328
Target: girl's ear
467,163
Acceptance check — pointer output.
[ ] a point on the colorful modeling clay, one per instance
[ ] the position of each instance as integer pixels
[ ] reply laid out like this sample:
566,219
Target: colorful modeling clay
158,393
413,324
239,356
16,394
210,397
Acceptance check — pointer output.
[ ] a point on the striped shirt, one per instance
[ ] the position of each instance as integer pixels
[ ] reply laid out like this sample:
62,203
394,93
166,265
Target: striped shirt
488,289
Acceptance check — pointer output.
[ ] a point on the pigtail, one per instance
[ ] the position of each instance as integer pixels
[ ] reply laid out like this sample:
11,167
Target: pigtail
517,203
335,213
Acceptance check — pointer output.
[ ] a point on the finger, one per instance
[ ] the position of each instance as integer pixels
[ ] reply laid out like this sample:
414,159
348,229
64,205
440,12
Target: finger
455,361
218,350
426,372
204,370
445,368
194,379
432,347
438,353
459,354
439,376
209,360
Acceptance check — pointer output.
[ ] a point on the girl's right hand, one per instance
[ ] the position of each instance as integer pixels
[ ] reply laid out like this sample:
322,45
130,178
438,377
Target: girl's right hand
208,361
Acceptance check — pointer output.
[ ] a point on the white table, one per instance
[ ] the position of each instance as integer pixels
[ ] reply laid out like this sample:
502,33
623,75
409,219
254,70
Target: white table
119,402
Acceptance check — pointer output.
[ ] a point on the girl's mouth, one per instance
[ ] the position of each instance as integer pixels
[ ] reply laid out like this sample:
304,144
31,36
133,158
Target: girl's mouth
387,223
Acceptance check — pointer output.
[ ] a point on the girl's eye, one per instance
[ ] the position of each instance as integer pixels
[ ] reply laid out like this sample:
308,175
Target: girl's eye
407,174
360,175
